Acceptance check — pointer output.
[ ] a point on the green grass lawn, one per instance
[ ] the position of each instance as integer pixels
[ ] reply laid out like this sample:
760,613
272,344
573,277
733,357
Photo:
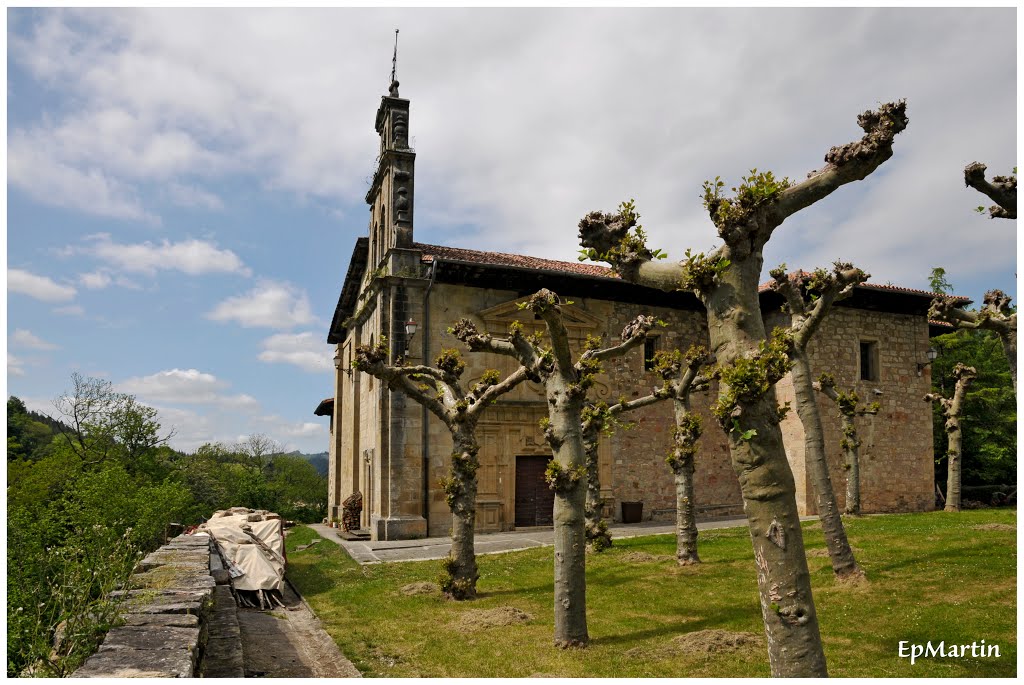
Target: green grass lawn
933,576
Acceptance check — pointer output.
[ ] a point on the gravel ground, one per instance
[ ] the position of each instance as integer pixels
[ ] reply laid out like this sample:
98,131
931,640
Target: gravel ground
290,643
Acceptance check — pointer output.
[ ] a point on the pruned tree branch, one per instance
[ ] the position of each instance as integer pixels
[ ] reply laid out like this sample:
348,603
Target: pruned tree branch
1002,190
995,315
823,288
493,392
850,162
634,333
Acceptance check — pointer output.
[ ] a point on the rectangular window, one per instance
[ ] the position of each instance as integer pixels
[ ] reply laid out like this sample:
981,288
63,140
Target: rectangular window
869,360
650,349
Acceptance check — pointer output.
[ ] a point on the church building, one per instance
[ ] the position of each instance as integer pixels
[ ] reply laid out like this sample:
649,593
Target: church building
394,452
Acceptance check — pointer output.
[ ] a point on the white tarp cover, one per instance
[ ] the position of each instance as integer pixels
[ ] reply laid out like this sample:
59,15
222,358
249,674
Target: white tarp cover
262,569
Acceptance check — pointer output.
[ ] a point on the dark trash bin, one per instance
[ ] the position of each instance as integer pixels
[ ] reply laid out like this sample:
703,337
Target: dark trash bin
632,512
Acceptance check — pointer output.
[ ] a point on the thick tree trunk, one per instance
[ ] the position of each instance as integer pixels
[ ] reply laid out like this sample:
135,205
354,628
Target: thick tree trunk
1009,339
843,563
461,562
597,533
852,452
569,521
952,409
682,467
686,516
766,481
953,465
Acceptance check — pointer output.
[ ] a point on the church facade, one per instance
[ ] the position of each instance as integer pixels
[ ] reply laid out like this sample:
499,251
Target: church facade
394,452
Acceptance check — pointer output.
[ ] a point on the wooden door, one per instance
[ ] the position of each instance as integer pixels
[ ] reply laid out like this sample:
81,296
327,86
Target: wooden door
535,501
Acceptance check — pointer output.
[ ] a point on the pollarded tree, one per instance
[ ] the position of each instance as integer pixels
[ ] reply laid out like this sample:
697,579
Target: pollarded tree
680,372
566,382
1002,190
600,418
995,314
727,281
849,409
952,408
809,298
439,389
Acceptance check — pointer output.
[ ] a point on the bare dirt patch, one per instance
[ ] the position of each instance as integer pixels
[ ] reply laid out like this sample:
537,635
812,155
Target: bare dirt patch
644,557
421,588
995,526
715,640
480,619
823,552
700,642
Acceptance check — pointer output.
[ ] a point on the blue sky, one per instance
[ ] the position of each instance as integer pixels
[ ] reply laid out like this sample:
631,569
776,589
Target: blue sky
185,186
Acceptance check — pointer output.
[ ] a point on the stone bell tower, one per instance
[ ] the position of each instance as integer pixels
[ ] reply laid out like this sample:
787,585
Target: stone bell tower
391,194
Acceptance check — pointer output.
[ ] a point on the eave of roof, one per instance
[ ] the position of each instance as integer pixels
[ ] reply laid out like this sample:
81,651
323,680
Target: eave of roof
888,287
349,290
325,408
458,254
509,263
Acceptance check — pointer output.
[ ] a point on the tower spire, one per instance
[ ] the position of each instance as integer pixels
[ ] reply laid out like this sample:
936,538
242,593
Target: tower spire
393,89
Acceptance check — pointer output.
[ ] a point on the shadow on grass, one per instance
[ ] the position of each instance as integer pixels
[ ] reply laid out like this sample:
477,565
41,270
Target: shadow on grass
721,619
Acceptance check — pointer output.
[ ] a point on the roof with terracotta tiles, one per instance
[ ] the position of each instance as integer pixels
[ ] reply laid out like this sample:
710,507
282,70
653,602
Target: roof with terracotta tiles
458,254
767,285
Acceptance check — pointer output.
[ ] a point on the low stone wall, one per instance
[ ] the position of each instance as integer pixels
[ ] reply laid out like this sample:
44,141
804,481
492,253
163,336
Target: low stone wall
177,604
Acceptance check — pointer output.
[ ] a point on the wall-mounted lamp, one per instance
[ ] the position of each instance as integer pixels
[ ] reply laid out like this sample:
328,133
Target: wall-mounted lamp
932,355
410,330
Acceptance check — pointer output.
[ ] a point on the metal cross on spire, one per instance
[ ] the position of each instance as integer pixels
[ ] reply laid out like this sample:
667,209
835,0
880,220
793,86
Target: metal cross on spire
394,67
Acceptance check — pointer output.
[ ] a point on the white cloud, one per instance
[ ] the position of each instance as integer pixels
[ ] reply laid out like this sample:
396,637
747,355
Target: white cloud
15,366
26,339
270,304
276,426
193,257
96,280
39,287
191,196
504,145
186,386
193,429
50,180
70,310
304,350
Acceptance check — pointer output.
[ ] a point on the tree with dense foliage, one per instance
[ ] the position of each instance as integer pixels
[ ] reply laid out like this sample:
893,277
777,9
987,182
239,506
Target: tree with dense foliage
749,363
1002,190
85,500
80,509
109,425
809,299
989,417
849,409
439,389
995,315
566,382
27,437
952,409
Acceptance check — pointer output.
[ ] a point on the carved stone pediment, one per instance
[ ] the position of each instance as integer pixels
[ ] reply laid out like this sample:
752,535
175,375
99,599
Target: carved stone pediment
578,322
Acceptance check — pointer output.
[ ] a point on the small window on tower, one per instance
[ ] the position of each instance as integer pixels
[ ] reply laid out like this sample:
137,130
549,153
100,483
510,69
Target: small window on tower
869,360
650,349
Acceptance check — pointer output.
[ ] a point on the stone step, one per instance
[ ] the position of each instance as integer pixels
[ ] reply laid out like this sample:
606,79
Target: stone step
223,658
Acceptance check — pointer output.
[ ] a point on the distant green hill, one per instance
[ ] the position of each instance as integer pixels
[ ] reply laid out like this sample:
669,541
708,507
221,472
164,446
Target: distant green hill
318,460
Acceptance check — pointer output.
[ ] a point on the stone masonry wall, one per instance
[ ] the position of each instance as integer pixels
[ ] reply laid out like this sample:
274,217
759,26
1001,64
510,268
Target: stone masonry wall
177,610
632,461
896,460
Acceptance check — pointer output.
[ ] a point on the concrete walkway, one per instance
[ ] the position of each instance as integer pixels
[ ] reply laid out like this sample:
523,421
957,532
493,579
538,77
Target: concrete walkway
371,552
